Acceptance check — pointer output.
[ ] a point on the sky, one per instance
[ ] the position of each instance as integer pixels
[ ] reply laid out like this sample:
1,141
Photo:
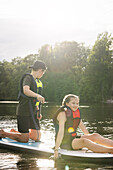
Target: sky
27,25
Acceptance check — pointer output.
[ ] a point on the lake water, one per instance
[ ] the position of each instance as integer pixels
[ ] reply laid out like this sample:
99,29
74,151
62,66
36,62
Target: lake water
97,118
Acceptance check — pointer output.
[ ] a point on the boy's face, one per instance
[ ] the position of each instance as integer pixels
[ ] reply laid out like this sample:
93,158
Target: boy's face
40,73
73,103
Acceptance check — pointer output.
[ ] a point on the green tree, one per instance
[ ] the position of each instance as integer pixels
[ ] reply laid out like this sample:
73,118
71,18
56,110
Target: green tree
99,67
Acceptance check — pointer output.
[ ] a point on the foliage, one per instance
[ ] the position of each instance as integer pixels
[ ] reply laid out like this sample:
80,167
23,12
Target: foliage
72,68
99,66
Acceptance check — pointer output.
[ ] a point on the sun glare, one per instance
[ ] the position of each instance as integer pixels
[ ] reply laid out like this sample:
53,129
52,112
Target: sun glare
55,14
29,24
45,163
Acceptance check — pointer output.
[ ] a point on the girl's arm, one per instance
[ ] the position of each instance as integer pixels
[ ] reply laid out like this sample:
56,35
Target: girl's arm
83,128
61,118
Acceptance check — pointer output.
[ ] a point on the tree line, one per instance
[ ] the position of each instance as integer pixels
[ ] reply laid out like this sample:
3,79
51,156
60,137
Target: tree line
72,68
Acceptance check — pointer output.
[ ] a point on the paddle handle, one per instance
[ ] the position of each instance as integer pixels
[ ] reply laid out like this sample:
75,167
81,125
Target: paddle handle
39,112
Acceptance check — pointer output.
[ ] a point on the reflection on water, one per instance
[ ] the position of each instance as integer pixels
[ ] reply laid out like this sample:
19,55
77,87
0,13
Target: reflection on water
45,163
8,122
97,118
8,160
34,163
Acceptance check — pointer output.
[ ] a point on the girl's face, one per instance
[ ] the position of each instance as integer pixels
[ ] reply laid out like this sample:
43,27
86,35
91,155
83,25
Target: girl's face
73,103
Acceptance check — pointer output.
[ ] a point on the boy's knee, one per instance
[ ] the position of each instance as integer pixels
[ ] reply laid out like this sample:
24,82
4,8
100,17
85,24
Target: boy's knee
24,138
37,138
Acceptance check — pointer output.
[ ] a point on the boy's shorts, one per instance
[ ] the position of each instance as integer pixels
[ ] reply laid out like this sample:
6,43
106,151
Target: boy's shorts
26,122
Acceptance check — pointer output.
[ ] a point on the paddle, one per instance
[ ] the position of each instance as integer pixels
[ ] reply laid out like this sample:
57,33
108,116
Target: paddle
40,105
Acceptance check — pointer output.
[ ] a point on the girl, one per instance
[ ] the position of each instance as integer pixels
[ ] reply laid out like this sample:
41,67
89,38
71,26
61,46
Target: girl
66,120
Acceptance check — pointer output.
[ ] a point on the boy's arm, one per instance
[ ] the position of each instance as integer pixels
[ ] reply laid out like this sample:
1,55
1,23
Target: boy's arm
30,93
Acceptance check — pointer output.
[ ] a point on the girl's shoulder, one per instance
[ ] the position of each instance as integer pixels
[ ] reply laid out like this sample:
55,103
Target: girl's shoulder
60,112
61,116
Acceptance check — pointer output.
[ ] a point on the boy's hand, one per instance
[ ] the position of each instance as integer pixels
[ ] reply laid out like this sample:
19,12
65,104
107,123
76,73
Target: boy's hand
39,118
41,99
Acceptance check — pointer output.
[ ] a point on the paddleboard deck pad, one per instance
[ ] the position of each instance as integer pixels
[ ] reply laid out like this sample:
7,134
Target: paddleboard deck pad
45,150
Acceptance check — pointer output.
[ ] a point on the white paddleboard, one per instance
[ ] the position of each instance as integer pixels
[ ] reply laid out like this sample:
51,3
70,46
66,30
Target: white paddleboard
46,150
31,146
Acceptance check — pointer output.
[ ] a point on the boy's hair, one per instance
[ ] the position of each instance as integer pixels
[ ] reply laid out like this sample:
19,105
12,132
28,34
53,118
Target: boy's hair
67,98
38,65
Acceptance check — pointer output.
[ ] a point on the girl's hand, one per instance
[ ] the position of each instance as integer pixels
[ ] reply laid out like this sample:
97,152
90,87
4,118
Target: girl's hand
56,154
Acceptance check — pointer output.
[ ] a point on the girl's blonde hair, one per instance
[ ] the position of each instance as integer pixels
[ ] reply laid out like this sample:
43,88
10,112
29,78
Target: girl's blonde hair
68,97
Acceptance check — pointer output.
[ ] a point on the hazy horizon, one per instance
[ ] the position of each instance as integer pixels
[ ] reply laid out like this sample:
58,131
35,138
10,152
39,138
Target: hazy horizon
27,25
